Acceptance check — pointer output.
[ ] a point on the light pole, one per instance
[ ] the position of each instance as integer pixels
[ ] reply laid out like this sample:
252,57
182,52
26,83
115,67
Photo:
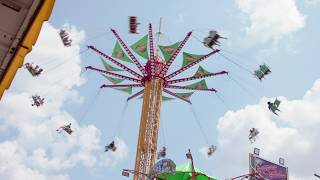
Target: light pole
189,156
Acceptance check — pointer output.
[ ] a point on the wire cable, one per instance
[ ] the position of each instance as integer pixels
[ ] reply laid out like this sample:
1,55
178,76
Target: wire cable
83,47
222,101
89,106
60,81
251,65
248,92
166,37
64,62
163,132
235,63
120,124
199,124
197,38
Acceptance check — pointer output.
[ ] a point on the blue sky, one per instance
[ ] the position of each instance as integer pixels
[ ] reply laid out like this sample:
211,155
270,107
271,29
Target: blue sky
282,34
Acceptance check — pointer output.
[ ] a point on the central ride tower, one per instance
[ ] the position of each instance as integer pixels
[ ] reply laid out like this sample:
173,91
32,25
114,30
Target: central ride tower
150,119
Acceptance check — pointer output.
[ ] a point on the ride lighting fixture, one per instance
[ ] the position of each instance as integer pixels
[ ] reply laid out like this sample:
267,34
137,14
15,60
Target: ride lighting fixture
256,151
189,156
281,161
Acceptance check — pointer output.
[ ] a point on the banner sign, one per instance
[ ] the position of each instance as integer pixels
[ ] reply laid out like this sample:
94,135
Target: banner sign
268,170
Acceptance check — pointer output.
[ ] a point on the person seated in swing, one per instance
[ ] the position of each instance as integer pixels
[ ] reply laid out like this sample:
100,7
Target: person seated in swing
212,39
37,100
63,33
66,128
274,107
253,134
67,42
27,65
259,74
65,38
211,150
111,147
41,100
35,71
265,69
133,25
39,72
262,71
162,153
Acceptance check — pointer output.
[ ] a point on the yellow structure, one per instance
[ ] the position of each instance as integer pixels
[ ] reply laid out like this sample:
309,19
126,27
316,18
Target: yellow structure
41,14
149,125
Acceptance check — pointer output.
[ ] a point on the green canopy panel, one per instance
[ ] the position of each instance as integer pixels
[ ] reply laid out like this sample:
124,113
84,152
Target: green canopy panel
190,58
184,95
119,53
167,51
184,172
201,72
187,167
113,80
141,47
165,98
198,85
184,176
109,67
126,90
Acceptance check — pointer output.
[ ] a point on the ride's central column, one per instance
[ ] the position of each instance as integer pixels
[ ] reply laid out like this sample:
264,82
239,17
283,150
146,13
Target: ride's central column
149,123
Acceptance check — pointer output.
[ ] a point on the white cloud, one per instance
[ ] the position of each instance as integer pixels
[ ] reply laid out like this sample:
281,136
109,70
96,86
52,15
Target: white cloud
204,152
13,168
271,19
34,150
293,135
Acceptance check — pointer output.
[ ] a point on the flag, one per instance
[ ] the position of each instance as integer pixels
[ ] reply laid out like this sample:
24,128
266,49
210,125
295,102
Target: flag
119,53
201,72
126,90
113,80
108,67
198,85
165,98
189,58
184,95
141,47
167,51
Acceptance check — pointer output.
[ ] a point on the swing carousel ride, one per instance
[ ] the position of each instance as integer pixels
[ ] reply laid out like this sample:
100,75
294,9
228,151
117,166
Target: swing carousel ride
152,81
